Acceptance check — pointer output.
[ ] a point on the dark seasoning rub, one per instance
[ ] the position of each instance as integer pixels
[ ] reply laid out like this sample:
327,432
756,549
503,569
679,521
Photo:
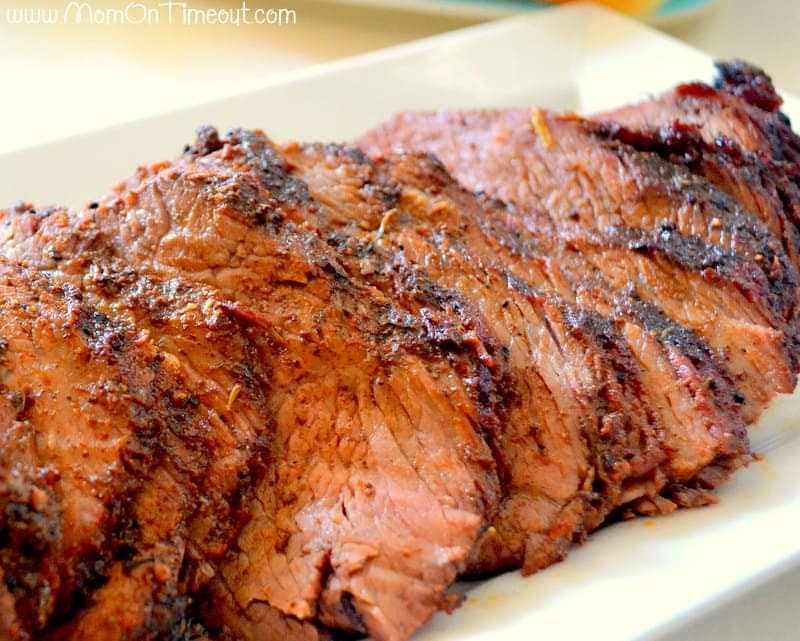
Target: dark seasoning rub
296,391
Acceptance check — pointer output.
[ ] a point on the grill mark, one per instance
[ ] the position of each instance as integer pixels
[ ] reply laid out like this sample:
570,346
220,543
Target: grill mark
750,236
684,145
697,256
604,403
493,227
704,359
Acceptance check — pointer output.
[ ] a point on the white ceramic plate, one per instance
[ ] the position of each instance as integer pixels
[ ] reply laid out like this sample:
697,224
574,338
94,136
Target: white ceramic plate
669,12
635,580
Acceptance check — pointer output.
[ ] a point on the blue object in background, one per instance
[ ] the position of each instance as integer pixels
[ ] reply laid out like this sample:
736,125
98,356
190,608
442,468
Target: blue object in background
668,10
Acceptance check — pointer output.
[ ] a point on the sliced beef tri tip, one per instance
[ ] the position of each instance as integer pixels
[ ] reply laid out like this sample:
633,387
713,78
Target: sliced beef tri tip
376,478
575,436
678,242
398,353
293,392
643,433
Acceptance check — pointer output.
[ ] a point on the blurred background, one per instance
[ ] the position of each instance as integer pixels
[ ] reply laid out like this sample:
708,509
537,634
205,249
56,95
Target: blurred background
64,79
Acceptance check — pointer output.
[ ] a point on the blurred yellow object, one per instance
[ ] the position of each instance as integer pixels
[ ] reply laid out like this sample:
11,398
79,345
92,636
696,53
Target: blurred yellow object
635,7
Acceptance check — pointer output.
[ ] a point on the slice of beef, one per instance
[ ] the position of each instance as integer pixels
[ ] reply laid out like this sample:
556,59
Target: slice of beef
410,211
769,189
373,412
109,438
733,135
690,412
742,107
671,233
574,436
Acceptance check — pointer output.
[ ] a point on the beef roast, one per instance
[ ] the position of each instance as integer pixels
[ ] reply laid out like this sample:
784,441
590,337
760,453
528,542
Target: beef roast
295,391
433,223
682,244
392,422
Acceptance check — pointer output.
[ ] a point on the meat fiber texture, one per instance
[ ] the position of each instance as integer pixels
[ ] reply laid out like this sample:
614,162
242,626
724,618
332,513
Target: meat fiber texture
295,391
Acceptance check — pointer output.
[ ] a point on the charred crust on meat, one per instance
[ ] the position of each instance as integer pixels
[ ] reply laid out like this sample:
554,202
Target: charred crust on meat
207,141
352,614
275,174
709,364
103,335
748,82
748,231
